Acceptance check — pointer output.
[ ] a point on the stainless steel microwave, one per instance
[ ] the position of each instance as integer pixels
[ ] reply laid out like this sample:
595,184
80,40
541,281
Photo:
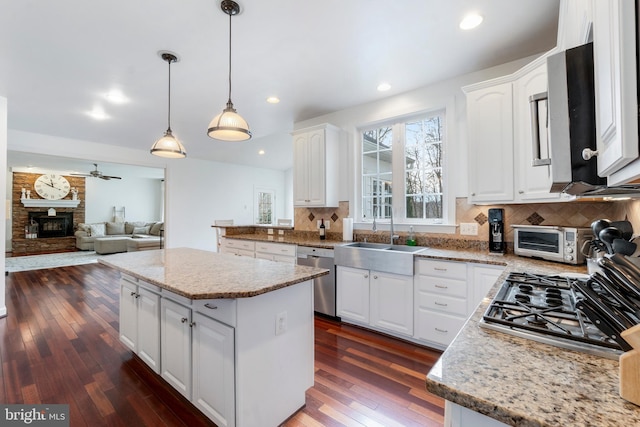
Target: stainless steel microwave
560,244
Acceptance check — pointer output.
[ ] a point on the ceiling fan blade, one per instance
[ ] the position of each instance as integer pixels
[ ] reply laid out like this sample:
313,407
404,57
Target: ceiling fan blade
111,177
81,174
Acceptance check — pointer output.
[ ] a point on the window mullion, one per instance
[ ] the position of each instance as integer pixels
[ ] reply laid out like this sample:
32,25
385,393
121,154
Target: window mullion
398,192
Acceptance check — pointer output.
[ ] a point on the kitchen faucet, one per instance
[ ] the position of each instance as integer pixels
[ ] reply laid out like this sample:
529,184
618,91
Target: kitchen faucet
374,228
392,236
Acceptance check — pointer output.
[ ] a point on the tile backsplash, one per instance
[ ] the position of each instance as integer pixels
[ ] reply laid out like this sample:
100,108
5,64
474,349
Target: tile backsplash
576,214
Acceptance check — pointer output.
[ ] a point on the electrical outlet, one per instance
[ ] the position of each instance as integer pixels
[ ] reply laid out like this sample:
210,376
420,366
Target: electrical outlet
469,228
269,230
327,224
281,232
281,323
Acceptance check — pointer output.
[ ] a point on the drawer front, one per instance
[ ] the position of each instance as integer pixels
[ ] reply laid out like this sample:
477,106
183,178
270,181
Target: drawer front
276,248
239,244
438,328
442,285
283,258
448,269
222,310
445,304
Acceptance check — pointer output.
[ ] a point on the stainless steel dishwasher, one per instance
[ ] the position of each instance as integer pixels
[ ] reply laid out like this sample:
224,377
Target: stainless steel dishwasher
324,287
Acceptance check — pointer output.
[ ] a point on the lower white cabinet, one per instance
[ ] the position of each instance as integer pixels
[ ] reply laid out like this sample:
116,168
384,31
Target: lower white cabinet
380,300
140,319
213,369
198,360
280,252
238,247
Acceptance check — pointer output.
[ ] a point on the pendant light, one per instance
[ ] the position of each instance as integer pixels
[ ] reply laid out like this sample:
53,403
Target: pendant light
229,125
169,146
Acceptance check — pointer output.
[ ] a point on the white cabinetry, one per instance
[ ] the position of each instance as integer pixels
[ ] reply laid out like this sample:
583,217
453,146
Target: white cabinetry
139,319
280,252
490,130
176,327
382,301
447,292
238,247
614,44
574,24
315,166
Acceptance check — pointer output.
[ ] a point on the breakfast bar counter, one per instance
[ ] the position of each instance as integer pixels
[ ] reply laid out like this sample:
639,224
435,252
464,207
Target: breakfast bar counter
521,382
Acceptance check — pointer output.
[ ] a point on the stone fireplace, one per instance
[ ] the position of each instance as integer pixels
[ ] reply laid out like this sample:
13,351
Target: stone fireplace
60,225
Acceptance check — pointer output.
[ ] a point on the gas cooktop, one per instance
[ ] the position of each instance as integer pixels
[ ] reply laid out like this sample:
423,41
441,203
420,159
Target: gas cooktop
543,309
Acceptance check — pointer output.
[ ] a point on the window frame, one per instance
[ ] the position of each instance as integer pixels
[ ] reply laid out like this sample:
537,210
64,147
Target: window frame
447,223
256,200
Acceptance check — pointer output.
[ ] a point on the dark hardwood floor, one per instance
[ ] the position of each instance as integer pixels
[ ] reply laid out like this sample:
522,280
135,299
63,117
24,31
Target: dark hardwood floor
59,344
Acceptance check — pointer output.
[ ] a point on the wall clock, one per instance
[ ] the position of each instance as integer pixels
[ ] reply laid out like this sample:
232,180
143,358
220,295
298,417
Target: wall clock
52,186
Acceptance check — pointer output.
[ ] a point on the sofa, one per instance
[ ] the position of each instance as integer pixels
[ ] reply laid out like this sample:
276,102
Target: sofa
113,237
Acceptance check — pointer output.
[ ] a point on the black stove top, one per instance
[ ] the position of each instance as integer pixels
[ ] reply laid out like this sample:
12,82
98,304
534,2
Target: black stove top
543,309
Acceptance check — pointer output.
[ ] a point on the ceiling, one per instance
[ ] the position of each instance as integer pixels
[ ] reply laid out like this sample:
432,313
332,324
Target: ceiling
59,59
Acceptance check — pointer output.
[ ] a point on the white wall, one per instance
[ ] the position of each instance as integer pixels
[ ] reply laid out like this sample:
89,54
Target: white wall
197,191
3,195
140,196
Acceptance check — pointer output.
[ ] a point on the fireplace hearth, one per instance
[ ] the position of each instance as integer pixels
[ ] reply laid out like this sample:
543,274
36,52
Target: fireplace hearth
60,225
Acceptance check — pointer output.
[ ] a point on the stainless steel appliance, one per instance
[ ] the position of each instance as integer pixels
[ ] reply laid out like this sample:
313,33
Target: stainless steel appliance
496,231
324,287
544,309
552,243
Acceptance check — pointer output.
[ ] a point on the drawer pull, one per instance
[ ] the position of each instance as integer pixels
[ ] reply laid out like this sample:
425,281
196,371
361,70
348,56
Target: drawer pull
184,320
192,324
212,307
375,277
133,293
441,287
444,331
440,304
284,250
439,269
366,276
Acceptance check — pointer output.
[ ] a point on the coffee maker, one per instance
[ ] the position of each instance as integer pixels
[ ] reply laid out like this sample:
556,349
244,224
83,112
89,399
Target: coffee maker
496,231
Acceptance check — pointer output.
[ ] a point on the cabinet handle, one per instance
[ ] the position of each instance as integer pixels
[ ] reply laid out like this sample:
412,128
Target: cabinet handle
444,331
440,304
133,293
366,276
473,194
441,287
137,296
184,320
212,307
439,269
192,324
375,277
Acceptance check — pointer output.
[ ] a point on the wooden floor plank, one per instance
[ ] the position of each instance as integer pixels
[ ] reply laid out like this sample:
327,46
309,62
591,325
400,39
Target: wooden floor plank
60,344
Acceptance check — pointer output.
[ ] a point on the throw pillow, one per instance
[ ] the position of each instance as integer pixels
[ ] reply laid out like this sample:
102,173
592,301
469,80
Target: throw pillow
115,227
97,230
129,226
141,230
155,229
84,227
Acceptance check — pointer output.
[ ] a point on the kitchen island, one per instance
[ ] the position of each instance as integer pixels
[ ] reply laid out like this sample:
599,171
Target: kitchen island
234,335
520,382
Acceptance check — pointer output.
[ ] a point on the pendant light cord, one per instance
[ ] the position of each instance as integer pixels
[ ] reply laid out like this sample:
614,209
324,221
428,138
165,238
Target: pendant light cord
169,109
230,13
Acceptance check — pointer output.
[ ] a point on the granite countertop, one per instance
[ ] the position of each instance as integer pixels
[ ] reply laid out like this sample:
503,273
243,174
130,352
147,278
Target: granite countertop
198,274
522,382
290,239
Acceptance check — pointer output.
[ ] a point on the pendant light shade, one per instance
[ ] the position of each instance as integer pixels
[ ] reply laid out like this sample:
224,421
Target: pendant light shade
229,125
169,146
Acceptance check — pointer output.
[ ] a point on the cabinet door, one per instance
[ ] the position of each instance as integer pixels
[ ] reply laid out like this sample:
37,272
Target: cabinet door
176,345
149,328
213,370
484,277
300,170
614,48
392,302
532,182
352,298
490,134
128,314
316,167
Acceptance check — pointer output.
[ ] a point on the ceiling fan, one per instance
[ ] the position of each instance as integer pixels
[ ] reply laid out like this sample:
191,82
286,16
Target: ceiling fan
96,174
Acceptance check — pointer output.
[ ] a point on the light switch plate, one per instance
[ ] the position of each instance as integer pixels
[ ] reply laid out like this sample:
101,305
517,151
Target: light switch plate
469,228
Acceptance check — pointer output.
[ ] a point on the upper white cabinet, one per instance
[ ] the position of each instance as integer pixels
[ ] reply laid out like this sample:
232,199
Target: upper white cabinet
490,130
574,26
614,44
316,166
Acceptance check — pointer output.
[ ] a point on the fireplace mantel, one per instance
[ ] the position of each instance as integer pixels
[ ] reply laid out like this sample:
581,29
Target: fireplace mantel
44,203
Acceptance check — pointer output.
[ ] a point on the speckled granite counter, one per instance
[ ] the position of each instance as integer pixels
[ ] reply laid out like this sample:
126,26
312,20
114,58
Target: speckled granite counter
290,239
522,382
198,274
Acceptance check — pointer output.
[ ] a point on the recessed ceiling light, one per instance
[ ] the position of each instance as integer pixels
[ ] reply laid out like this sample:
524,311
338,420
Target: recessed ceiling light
98,113
261,152
471,21
273,100
116,96
383,87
